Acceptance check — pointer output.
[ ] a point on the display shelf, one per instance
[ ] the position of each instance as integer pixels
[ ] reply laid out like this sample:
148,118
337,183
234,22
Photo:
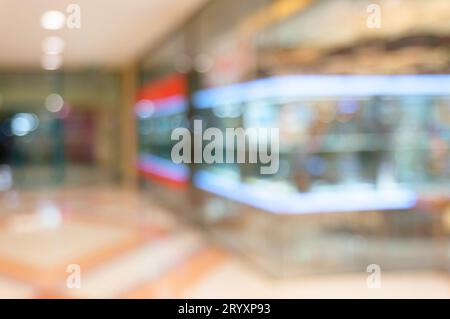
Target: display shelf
318,86
161,106
273,201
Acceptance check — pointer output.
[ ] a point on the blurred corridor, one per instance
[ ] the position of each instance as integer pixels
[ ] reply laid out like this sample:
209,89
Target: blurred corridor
207,149
129,247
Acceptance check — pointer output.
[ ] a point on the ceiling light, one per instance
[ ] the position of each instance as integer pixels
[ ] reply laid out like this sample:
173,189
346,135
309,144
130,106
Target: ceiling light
145,109
53,20
53,45
54,103
203,63
51,62
23,123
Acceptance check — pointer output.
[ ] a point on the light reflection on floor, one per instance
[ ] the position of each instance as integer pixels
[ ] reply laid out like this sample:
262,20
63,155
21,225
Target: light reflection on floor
129,247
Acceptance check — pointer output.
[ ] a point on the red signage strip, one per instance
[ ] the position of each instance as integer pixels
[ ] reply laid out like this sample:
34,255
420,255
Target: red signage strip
170,86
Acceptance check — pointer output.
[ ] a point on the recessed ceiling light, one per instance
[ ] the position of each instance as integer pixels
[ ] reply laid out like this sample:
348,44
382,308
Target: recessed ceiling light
203,63
54,103
51,62
53,45
53,20
24,123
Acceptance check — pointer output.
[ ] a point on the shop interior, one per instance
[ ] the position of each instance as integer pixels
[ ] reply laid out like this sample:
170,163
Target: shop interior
359,92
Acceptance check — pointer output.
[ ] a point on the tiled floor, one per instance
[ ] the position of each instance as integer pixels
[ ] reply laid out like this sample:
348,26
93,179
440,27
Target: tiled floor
128,247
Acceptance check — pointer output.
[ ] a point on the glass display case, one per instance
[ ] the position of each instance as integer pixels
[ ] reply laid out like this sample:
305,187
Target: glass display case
357,156
161,107
364,129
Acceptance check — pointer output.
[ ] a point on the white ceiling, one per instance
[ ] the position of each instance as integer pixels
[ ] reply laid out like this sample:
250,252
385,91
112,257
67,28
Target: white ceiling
112,33
347,22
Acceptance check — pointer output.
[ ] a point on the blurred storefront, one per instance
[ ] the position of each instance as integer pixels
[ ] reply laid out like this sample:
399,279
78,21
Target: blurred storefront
48,139
364,127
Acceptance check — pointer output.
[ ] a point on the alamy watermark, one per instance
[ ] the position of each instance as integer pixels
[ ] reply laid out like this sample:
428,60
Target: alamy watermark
73,280
374,18
73,20
374,279
237,145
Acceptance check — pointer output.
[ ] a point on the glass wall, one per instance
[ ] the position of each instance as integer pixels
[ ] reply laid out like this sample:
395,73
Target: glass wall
52,122
363,119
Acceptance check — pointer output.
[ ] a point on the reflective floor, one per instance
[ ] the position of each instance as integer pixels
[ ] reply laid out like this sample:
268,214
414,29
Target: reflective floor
126,246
